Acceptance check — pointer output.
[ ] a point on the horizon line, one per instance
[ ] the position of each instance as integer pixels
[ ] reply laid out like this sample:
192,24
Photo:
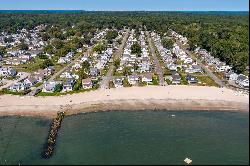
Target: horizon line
124,10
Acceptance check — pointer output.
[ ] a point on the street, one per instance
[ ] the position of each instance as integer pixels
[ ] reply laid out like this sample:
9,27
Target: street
158,68
105,80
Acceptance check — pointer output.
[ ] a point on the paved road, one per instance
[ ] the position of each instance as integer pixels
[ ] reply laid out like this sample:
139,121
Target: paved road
207,70
105,80
33,92
156,61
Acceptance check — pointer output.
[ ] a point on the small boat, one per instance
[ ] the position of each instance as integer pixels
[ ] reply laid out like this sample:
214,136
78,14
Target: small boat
187,160
173,115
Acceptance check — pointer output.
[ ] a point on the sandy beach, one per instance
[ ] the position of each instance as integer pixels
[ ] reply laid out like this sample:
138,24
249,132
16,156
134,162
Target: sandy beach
134,98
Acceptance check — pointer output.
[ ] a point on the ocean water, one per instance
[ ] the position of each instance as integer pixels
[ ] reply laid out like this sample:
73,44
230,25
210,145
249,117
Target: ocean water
130,137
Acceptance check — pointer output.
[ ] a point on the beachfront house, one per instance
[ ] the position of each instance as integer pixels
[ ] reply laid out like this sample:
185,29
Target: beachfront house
231,76
68,85
118,82
191,79
87,83
31,81
49,87
148,78
175,78
19,86
133,79
242,81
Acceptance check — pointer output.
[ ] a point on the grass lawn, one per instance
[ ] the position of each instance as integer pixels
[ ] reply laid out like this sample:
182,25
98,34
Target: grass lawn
220,75
6,91
183,79
155,80
206,81
63,93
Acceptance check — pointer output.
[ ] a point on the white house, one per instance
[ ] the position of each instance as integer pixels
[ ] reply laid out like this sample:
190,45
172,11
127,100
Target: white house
87,83
133,79
19,86
118,82
50,86
188,60
222,67
148,78
242,81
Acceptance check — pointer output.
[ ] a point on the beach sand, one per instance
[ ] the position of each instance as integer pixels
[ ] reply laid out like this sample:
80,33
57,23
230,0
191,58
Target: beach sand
133,98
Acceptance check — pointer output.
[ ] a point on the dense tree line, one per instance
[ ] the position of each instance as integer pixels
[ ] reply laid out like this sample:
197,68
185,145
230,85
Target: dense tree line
224,34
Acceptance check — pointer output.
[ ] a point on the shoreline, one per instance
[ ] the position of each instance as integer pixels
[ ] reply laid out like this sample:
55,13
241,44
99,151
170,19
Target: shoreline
126,99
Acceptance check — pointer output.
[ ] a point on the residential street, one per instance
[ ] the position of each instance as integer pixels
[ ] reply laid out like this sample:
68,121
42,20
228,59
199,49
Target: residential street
105,80
207,70
156,61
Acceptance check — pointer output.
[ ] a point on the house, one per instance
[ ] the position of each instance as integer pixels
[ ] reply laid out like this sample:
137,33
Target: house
144,67
188,60
39,77
194,69
87,83
133,79
50,70
93,72
68,85
118,82
7,71
222,67
63,60
19,86
172,67
231,75
77,66
50,86
31,81
175,78
84,58
148,78
242,81
66,75
191,79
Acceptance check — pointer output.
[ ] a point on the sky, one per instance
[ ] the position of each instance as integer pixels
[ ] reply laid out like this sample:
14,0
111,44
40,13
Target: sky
127,5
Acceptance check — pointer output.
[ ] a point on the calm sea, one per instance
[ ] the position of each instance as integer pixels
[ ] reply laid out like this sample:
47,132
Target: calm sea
132,137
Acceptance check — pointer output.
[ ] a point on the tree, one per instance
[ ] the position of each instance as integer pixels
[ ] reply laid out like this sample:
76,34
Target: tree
126,83
127,71
117,63
78,85
84,70
86,65
23,46
42,56
46,63
99,48
48,49
2,50
58,88
57,43
136,49
111,35
167,43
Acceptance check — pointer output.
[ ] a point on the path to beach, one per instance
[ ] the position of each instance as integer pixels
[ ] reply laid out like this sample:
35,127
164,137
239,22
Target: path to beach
149,97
